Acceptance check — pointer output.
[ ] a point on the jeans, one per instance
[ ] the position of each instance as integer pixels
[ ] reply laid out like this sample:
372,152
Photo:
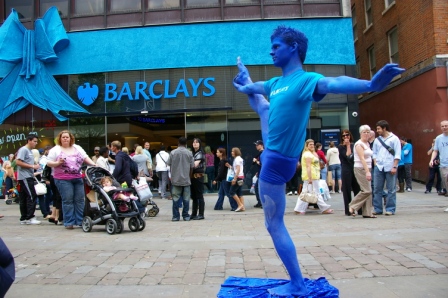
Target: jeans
379,178
163,182
323,174
73,199
177,192
335,171
210,171
44,205
224,188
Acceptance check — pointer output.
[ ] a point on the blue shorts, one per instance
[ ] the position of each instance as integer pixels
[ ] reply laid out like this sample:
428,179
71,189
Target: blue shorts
276,168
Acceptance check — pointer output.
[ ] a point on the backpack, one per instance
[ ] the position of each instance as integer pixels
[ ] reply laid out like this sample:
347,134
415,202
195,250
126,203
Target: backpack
133,168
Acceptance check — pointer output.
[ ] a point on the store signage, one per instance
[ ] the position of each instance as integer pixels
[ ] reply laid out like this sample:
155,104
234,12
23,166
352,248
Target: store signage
87,94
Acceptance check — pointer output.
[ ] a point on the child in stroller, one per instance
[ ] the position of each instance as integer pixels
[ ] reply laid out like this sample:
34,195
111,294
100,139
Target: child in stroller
107,182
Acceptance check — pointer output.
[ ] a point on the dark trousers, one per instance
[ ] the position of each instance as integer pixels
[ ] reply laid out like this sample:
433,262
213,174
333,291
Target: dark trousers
349,184
224,188
257,192
293,184
433,172
401,174
57,200
27,199
197,195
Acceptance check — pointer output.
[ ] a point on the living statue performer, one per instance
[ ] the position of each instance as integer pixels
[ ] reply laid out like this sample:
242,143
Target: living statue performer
283,125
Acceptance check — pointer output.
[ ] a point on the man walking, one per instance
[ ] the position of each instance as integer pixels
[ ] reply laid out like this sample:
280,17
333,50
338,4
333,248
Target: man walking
386,154
122,170
162,169
441,147
25,171
407,160
181,163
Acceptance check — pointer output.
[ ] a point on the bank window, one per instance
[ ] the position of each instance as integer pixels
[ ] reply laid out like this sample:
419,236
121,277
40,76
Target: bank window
24,8
372,61
128,5
354,24
89,7
368,7
389,2
163,4
393,45
202,3
62,6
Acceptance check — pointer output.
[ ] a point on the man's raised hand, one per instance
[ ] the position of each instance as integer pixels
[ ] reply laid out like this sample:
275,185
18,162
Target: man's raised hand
383,77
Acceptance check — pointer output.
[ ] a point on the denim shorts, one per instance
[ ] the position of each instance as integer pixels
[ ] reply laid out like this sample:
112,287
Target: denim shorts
335,171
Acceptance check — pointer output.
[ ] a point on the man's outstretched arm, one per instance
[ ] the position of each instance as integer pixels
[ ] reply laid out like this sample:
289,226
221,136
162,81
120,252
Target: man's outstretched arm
349,85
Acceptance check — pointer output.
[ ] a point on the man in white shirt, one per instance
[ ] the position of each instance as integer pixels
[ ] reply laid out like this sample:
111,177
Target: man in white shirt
441,147
162,170
385,158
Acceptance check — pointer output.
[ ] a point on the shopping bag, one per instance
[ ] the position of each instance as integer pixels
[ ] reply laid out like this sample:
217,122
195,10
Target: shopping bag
329,178
230,175
143,191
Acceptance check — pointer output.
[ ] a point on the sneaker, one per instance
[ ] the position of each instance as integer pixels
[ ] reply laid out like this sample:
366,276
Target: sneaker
427,191
339,191
408,189
295,192
388,213
24,222
332,192
446,210
33,221
290,193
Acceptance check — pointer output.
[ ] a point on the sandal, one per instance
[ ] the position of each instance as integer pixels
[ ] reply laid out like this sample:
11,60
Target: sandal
300,213
373,216
352,212
328,211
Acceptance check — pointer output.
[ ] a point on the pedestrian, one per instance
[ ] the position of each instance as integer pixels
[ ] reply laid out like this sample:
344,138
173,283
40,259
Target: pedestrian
25,176
162,170
386,155
407,160
283,123
441,149
224,185
362,167
257,162
433,172
181,166
238,179
66,159
197,181
334,166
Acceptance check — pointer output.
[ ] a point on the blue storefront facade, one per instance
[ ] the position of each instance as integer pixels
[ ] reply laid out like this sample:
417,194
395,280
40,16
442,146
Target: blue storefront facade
158,81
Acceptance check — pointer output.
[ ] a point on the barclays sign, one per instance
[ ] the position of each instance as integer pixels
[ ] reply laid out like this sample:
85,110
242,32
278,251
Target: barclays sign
87,94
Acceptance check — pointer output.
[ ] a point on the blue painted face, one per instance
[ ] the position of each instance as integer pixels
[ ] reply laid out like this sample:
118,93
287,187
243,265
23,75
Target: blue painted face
281,52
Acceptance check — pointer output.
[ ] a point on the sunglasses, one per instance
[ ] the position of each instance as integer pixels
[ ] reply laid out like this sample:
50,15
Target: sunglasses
345,135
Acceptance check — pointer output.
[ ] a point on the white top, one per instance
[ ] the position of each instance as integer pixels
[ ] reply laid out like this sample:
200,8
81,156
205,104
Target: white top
238,161
161,160
333,156
367,155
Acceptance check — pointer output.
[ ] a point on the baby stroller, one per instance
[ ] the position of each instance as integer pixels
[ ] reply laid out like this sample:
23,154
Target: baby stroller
100,208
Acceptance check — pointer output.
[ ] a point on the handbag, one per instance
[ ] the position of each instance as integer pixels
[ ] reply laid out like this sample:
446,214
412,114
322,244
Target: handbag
240,182
330,178
308,196
40,188
149,165
321,163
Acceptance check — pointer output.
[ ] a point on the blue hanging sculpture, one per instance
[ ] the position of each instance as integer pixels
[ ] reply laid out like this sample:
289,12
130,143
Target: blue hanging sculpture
29,82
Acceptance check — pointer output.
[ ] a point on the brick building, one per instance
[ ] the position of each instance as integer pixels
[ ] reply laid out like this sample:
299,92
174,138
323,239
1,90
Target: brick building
413,33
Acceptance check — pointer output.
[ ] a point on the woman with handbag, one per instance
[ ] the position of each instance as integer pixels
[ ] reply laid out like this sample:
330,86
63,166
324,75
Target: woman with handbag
224,185
238,179
197,181
346,156
44,203
363,165
311,177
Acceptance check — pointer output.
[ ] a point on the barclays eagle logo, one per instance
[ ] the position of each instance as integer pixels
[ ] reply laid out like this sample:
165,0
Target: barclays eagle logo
87,94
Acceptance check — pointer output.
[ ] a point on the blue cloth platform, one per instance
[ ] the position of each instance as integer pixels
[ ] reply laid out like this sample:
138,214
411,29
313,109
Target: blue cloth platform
239,287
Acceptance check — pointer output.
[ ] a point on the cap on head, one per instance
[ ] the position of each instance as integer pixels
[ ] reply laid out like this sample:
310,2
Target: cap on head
41,151
259,142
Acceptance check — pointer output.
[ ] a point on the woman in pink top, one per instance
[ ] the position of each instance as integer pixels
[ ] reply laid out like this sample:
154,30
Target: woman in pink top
363,164
210,167
66,159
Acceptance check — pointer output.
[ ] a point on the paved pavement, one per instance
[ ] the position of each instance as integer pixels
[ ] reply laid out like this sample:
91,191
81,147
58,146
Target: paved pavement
405,255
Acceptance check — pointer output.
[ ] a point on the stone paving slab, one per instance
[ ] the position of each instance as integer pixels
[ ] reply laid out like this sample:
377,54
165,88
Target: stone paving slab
383,257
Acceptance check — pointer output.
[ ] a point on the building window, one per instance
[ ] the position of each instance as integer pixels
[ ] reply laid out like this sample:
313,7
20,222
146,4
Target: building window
201,3
24,8
368,7
89,7
358,68
372,61
128,5
393,45
163,4
62,6
354,24
389,2
231,2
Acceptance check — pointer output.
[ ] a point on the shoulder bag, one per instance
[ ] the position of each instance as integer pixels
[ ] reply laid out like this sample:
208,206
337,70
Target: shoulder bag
388,148
40,188
308,196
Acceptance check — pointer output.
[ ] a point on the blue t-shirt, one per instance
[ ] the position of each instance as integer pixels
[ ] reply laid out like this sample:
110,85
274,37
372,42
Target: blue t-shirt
407,153
441,145
290,104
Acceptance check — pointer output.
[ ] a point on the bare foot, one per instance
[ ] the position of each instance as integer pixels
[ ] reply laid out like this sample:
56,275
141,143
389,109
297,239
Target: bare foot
288,290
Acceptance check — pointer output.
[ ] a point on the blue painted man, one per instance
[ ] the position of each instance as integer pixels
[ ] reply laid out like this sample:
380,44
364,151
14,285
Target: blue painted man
283,125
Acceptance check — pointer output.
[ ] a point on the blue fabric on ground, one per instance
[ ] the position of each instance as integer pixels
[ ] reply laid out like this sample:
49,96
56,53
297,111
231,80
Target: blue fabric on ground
235,287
